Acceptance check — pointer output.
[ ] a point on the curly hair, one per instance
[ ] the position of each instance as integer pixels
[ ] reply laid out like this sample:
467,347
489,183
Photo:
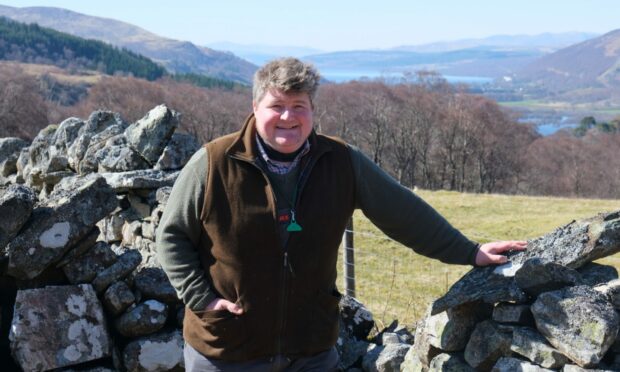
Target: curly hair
288,75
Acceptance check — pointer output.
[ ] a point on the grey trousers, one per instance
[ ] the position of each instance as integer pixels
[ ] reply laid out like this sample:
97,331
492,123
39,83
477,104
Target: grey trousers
325,361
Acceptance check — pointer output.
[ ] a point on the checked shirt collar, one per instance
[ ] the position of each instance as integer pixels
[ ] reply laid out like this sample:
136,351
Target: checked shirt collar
281,167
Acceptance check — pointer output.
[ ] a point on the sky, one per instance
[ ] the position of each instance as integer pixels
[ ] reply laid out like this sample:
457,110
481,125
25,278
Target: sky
330,25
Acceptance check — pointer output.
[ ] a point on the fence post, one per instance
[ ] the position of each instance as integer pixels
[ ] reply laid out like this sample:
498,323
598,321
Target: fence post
349,267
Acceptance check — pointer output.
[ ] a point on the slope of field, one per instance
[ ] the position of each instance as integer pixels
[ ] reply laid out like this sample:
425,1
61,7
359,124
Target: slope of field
395,283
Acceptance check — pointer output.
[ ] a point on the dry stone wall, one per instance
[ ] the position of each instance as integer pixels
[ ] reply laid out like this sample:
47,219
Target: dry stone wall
81,288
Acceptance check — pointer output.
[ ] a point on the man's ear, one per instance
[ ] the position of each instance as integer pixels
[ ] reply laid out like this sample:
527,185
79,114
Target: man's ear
254,106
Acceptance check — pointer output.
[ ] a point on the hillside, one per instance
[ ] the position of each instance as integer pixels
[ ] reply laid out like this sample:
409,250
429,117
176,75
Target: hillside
176,56
32,43
588,69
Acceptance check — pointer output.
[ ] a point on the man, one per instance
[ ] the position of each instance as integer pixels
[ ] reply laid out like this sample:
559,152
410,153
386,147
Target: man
250,234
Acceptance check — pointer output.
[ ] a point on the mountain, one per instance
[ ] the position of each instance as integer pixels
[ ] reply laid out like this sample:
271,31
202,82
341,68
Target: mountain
176,56
591,67
34,44
544,42
259,54
493,57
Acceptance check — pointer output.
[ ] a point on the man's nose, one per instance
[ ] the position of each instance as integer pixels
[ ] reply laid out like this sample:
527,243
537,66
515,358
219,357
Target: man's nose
286,114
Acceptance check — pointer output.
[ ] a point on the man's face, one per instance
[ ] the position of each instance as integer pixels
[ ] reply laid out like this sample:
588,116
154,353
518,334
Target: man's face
284,120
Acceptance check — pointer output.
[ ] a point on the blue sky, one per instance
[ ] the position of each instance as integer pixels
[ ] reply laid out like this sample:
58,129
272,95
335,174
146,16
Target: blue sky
344,25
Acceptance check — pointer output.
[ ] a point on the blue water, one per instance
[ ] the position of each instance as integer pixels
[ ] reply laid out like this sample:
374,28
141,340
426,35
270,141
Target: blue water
548,129
338,76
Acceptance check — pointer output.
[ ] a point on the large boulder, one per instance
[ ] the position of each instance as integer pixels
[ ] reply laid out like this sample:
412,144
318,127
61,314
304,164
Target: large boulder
578,321
57,224
58,326
150,135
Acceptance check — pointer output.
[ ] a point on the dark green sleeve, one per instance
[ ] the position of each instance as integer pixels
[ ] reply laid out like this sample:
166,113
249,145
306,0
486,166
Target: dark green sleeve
405,217
178,235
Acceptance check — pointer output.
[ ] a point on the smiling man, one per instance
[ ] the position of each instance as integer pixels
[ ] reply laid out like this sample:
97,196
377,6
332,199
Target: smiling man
250,234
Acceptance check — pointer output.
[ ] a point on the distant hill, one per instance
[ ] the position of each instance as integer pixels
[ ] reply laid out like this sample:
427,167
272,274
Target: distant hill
176,56
32,43
547,42
588,68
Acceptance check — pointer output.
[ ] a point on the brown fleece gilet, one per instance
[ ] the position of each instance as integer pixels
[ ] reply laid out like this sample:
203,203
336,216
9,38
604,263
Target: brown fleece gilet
287,292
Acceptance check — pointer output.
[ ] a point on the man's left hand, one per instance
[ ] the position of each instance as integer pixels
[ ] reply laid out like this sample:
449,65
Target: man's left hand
491,253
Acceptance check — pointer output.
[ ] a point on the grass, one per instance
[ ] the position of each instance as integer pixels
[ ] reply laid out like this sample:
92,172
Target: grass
395,283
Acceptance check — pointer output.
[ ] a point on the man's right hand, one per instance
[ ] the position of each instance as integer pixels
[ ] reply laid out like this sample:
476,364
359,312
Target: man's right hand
222,304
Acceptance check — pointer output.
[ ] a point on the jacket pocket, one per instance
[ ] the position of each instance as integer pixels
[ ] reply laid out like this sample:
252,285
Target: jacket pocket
223,328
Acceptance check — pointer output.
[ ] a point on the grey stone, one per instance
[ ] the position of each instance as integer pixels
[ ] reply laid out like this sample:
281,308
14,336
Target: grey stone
450,330
154,284
486,345
507,364
143,319
162,194
513,314
536,277
130,231
110,136
147,248
118,297
10,149
16,205
66,133
58,326
77,150
594,273
119,158
39,150
530,344
386,358
422,349
389,338
612,291
111,228
161,352
449,363
178,151
58,224
100,120
140,179
572,245
84,269
148,230
357,320
151,134
142,208
125,264
81,247
412,363
351,351
578,321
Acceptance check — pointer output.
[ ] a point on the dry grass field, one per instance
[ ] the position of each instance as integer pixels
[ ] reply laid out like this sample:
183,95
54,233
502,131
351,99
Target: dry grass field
395,283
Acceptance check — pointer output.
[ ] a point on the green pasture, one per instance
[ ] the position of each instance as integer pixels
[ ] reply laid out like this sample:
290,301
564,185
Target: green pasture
395,283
